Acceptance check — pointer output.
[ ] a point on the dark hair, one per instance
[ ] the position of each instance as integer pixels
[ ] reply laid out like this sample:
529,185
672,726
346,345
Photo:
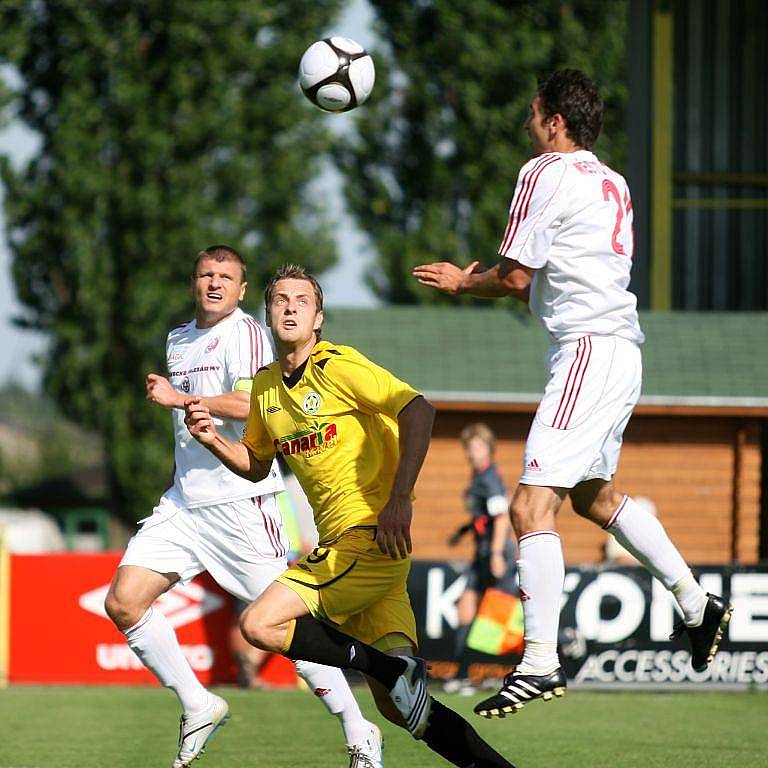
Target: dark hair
294,272
574,95
220,253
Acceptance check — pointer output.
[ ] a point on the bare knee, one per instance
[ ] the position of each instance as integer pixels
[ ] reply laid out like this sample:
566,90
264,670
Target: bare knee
260,631
534,508
596,500
124,610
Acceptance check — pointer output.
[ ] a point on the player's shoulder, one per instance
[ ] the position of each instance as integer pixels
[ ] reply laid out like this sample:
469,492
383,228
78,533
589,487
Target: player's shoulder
542,164
181,329
267,376
243,322
326,352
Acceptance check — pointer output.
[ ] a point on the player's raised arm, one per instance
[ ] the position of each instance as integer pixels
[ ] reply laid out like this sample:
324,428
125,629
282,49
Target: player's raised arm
507,278
232,454
393,533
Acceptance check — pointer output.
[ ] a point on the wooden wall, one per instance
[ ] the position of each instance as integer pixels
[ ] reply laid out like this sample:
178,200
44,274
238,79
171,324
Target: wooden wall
701,472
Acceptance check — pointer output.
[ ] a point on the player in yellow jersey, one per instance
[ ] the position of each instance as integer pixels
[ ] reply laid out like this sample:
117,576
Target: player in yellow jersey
356,438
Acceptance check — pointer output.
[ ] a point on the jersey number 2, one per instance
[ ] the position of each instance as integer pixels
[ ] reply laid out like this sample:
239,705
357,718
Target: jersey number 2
610,191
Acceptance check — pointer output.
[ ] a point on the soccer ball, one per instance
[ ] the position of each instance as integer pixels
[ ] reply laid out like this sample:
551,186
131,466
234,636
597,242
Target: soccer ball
336,74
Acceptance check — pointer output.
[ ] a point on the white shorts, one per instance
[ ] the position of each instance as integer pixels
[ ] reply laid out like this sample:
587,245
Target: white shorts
594,384
240,543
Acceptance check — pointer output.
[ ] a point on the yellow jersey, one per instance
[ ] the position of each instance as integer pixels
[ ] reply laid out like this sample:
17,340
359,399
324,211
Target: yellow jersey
335,423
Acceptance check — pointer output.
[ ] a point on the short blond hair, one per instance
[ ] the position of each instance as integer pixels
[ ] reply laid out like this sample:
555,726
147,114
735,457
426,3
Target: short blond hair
478,429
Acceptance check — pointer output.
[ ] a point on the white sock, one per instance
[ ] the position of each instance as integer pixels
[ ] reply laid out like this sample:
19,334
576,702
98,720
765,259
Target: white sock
542,572
331,687
691,598
153,640
644,537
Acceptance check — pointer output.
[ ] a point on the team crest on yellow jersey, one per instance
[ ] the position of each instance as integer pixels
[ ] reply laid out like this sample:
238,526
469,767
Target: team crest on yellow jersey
309,442
312,403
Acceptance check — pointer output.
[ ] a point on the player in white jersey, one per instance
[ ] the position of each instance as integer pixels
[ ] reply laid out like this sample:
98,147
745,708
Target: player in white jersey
211,519
567,250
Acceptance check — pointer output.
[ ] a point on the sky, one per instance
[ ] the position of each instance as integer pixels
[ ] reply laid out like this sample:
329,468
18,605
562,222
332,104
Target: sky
343,285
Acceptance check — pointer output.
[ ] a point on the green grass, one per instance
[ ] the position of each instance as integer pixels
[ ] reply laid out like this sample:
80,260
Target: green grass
137,727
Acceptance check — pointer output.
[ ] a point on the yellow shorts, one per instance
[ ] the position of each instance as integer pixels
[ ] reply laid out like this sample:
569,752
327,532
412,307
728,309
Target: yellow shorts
351,584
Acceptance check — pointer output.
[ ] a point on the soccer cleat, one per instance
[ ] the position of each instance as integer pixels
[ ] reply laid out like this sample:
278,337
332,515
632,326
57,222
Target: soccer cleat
705,638
519,689
195,731
367,754
409,694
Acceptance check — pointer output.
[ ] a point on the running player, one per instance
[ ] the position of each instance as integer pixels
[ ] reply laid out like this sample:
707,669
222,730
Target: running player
210,519
567,250
356,437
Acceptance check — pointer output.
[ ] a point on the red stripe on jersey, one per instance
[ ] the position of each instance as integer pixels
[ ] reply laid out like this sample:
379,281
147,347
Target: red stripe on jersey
566,389
581,381
256,346
524,199
257,501
516,203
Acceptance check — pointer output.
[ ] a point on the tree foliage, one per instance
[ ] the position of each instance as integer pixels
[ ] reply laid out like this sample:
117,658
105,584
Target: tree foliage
165,126
439,145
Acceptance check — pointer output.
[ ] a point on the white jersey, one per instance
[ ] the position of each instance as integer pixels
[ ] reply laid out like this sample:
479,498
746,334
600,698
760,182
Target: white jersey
571,220
210,362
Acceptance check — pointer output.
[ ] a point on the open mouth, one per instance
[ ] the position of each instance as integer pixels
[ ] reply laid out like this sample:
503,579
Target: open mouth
214,296
289,323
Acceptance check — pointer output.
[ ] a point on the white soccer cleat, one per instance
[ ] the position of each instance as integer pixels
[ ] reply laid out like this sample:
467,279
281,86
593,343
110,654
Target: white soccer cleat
410,696
367,753
195,731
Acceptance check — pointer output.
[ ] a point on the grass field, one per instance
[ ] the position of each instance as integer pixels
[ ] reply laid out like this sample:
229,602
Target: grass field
137,728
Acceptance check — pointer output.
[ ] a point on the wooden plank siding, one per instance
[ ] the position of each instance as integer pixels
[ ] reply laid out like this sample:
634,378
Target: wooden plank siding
702,473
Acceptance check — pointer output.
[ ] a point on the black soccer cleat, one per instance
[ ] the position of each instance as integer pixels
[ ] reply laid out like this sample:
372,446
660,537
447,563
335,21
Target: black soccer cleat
519,689
705,638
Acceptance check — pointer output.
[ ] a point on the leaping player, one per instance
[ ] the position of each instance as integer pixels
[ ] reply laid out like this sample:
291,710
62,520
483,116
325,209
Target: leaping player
567,251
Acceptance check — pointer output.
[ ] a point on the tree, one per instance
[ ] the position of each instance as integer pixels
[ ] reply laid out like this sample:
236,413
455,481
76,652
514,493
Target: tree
433,169
166,126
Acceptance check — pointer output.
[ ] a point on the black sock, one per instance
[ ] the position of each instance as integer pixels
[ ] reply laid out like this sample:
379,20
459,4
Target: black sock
460,650
452,737
317,641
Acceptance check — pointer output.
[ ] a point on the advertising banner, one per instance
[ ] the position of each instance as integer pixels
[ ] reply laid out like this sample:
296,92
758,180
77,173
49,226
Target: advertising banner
614,626
59,632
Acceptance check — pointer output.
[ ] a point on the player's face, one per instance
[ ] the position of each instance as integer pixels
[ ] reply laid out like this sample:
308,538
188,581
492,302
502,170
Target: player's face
218,288
538,128
478,453
292,314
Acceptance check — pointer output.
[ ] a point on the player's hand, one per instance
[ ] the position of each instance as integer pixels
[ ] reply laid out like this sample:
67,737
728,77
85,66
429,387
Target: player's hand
393,534
498,565
444,276
199,421
160,391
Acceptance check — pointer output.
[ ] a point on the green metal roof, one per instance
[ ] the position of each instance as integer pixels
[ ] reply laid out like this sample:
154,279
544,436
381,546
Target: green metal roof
497,353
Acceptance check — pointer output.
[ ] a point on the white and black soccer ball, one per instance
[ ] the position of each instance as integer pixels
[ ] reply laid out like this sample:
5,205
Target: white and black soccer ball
336,74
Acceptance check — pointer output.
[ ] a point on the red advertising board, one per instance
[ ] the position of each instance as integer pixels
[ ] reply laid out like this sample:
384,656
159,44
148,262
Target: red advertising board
59,632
